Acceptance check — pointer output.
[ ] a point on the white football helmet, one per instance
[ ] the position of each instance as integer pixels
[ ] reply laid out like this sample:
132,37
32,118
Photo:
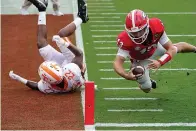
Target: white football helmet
50,72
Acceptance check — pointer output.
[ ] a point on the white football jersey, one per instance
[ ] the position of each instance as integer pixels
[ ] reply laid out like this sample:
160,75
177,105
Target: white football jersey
72,80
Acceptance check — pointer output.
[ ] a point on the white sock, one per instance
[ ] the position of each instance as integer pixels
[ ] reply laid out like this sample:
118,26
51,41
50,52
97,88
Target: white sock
17,77
77,21
42,18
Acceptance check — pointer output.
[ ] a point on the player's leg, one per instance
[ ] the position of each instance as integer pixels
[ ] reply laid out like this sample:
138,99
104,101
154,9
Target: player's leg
24,7
31,84
56,6
184,47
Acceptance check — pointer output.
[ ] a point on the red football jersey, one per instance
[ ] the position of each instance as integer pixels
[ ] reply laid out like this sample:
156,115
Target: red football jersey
140,51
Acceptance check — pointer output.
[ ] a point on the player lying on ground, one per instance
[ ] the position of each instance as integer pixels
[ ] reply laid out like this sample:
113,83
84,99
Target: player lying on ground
143,41
60,72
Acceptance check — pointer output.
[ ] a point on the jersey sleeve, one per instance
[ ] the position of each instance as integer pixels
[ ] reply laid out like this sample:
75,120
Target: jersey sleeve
123,53
164,39
122,41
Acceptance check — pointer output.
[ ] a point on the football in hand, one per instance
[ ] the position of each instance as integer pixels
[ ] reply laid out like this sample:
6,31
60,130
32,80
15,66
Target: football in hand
138,70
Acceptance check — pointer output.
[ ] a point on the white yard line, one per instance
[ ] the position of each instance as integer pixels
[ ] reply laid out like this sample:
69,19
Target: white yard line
122,88
104,41
109,36
98,10
102,3
105,48
129,99
149,13
106,30
104,62
102,17
107,25
162,69
105,54
93,21
103,7
136,110
181,124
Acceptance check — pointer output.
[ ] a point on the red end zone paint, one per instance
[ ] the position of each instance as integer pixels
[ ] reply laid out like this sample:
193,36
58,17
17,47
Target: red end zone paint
89,102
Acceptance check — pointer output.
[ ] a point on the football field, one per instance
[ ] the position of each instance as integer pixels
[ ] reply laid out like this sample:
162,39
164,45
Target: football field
119,103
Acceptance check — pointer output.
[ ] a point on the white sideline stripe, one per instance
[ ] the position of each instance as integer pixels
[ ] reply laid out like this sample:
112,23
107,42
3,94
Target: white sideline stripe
101,6
136,110
191,35
127,99
105,48
112,78
96,10
104,41
103,62
106,30
124,88
98,17
149,13
105,21
163,69
145,124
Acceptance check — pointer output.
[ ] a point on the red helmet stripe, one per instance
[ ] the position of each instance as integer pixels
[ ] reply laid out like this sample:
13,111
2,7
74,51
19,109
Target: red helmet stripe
47,70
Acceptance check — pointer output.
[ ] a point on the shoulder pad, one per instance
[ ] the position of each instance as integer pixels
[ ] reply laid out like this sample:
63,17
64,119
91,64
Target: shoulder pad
156,25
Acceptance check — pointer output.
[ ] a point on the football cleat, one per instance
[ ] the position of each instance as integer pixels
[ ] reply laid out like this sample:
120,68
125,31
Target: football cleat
154,83
40,4
82,11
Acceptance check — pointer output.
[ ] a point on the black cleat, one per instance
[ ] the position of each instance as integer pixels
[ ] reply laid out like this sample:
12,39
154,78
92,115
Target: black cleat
154,84
82,11
40,4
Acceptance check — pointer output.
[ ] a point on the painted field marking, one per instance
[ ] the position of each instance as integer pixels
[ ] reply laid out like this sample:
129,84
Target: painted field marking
93,21
163,69
102,3
109,36
107,30
104,41
106,25
135,110
104,62
123,88
105,54
102,17
110,6
98,10
149,13
105,48
181,124
129,99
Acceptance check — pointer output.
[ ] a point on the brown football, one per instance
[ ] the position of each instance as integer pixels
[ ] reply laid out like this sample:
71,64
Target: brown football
138,70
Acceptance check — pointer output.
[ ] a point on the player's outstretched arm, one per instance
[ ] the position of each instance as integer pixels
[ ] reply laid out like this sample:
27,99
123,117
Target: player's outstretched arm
31,84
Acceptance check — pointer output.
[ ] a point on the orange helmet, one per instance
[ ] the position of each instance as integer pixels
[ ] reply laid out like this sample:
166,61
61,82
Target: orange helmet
50,72
137,26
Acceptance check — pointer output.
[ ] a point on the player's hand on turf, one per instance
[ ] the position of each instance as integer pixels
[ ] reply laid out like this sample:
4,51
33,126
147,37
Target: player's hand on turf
154,64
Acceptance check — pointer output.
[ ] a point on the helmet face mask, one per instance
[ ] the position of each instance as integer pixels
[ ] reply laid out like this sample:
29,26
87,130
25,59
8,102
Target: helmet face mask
137,26
50,72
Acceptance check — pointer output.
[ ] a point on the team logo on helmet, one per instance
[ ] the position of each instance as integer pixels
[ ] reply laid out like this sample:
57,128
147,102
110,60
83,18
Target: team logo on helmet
50,72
